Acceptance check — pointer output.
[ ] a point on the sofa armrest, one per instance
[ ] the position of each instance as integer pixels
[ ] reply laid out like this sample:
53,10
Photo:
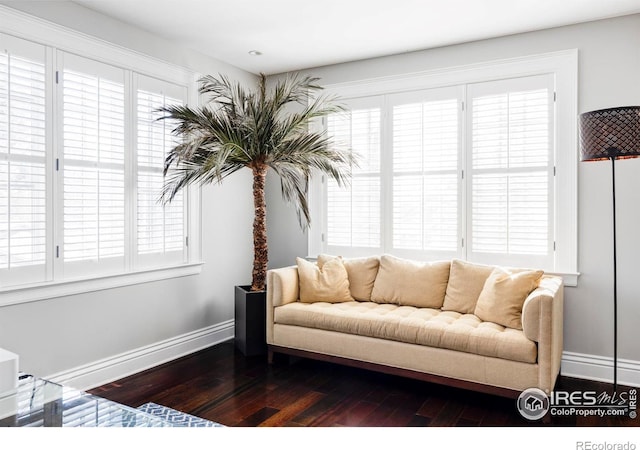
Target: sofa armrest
549,291
542,322
282,288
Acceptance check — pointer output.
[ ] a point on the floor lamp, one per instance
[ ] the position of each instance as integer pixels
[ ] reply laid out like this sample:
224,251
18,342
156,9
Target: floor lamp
610,134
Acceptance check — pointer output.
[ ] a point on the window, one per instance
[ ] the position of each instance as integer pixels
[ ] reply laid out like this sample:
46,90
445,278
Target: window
92,167
23,250
81,168
426,163
159,229
470,170
353,213
511,171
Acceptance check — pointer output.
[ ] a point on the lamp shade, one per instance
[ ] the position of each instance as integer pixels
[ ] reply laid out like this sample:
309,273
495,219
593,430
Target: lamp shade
610,133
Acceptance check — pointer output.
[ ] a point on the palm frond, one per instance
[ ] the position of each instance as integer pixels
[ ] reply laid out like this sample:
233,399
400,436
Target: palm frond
257,129
294,183
317,151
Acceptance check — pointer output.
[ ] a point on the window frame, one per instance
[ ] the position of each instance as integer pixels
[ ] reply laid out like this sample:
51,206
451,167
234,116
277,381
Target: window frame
55,39
562,65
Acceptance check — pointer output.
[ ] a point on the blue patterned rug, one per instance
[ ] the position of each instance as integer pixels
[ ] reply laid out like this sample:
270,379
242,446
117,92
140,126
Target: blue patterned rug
176,418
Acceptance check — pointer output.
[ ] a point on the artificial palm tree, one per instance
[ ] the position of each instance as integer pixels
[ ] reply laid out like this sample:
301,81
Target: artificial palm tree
240,128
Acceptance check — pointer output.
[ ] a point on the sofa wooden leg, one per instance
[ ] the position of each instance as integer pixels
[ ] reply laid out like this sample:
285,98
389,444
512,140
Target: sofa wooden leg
270,356
275,354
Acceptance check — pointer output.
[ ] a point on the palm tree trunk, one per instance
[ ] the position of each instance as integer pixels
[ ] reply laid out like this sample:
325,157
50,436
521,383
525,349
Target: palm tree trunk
260,250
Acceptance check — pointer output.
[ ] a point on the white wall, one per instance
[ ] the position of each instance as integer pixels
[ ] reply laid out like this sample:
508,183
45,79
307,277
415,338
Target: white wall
609,64
60,334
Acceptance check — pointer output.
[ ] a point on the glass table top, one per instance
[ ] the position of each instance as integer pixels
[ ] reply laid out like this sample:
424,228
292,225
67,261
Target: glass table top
41,403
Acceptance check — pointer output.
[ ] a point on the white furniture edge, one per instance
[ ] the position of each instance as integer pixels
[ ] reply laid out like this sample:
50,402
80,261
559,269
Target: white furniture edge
8,371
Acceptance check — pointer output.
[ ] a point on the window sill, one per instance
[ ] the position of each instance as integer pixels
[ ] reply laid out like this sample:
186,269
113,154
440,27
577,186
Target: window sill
45,291
570,278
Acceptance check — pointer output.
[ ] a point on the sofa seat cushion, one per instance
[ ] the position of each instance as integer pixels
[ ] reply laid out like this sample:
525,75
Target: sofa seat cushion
423,326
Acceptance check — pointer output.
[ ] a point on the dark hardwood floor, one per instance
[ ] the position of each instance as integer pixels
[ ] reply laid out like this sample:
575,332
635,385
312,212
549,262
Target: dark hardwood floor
222,385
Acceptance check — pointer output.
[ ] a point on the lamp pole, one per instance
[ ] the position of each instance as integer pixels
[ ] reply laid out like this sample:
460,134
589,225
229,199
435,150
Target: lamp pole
615,277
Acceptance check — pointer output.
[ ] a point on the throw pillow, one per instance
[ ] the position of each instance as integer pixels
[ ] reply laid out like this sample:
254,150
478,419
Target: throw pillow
466,281
503,295
329,284
411,283
362,274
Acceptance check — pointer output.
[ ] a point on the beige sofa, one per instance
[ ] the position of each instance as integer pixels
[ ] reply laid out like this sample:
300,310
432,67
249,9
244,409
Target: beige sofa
421,320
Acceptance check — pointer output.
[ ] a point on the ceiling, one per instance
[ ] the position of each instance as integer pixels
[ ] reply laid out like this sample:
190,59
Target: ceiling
298,34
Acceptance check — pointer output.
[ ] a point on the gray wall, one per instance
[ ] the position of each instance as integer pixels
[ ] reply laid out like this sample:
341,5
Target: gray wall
286,238
609,64
63,333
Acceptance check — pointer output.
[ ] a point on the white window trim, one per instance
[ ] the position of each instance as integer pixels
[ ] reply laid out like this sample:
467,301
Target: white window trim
564,66
59,38
43,32
54,289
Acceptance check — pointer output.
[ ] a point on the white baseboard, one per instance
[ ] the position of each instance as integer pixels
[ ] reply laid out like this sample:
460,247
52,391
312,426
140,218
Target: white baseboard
88,376
600,368
119,366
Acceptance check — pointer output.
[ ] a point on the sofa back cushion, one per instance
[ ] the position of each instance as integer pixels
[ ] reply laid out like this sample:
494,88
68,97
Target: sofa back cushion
503,295
327,284
466,281
411,283
362,274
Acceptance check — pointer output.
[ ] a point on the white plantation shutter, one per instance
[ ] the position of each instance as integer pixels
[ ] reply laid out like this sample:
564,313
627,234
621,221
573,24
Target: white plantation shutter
160,229
353,212
23,221
426,148
483,171
93,138
81,171
463,171
511,171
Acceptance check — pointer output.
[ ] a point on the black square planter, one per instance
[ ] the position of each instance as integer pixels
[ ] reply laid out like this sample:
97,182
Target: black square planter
250,321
